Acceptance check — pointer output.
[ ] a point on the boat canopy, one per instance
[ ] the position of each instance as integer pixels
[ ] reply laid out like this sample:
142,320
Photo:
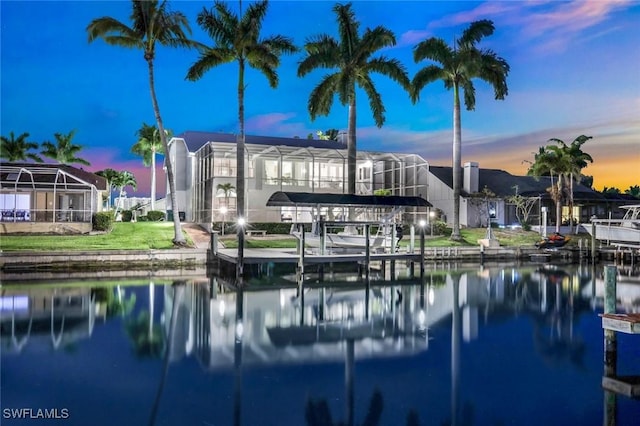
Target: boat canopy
313,199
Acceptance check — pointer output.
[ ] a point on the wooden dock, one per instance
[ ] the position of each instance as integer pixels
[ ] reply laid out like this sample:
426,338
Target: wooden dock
266,255
612,324
624,323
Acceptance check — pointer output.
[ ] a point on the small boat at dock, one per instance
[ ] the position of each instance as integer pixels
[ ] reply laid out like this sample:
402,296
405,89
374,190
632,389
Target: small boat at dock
621,232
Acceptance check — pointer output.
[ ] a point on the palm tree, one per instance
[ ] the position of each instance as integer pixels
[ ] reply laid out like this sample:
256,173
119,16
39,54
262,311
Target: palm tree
123,179
552,161
17,149
110,175
64,150
151,23
329,135
237,39
458,66
351,59
576,161
227,189
149,144
633,190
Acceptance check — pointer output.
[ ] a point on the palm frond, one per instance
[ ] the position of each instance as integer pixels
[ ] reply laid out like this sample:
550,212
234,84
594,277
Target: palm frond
321,96
209,59
374,40
434,49
469,94
375,100
392,68
322,52
423,77
347,29
475,32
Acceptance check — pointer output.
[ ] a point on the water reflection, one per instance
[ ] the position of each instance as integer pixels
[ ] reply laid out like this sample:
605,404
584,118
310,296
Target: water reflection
497,331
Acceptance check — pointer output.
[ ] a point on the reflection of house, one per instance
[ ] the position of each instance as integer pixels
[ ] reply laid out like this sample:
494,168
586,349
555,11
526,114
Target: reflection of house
50,317
276,327
38,197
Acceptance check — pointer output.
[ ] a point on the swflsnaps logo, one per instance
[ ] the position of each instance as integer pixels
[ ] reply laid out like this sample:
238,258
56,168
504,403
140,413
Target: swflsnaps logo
35,413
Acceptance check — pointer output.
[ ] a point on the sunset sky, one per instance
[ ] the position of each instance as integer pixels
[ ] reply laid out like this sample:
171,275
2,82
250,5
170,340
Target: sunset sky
575,69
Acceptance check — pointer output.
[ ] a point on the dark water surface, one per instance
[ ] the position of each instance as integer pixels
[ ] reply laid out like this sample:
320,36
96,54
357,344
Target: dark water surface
495,345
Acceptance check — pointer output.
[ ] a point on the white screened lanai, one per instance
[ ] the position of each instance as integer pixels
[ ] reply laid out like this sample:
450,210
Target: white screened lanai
208,160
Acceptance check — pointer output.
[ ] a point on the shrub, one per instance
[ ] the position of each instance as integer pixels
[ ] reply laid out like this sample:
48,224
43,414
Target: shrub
127,215
103,221
155,215
440,228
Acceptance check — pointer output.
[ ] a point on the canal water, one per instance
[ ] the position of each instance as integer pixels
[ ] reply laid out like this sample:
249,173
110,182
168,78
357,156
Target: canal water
477,345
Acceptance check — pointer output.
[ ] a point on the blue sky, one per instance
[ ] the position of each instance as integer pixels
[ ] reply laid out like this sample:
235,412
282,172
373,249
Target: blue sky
575,69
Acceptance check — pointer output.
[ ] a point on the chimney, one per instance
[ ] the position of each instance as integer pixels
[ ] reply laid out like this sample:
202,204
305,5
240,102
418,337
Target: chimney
343,138
471,178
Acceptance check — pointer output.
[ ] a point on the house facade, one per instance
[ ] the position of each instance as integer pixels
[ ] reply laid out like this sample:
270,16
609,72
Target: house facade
205,167
48,198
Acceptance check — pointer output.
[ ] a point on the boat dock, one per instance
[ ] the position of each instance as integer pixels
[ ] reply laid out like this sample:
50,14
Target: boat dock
613,323
266,255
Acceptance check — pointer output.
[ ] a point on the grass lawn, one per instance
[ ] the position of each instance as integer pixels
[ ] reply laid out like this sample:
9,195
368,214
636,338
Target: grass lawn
125,236
158,235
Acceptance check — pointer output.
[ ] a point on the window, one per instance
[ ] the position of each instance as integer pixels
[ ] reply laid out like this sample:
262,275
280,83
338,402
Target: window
224,166
271,172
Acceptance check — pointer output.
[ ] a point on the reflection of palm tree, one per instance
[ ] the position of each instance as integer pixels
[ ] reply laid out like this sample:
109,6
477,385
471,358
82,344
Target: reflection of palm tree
115,305
178,294
147,342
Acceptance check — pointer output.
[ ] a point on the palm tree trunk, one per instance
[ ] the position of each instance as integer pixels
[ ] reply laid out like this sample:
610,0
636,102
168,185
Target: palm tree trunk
558,201
240,206
571,205
178,295
178,238
153,178
457,181
351,149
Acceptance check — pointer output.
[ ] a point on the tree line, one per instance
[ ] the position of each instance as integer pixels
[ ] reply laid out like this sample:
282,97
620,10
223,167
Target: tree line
351,59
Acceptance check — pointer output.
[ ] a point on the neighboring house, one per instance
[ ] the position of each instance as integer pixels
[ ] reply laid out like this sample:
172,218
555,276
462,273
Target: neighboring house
473,205
203,161
37,197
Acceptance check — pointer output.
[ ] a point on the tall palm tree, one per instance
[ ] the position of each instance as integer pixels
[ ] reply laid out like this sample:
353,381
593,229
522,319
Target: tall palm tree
237,39
110,175
458,66
152,23
17,149
149,144
64,150
351,58
122,180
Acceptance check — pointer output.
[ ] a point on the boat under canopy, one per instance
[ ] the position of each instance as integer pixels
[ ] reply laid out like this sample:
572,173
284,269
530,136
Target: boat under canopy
313,199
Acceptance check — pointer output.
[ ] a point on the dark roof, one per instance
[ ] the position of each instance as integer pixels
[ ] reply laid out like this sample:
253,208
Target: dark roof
196,140
503,184
287,199
91,178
